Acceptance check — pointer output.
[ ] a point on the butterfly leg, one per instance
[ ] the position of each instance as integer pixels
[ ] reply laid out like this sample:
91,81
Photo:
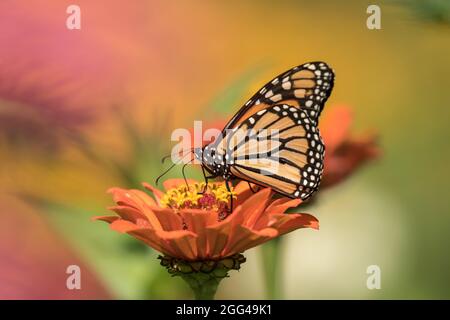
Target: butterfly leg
184,175
251,188
206,181
206,186
227,184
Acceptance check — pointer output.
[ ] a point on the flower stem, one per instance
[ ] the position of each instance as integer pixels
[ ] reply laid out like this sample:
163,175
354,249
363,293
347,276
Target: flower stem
202,276
203,285
271,256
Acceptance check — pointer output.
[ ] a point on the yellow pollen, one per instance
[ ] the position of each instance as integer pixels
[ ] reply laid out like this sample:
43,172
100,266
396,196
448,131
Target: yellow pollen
195,196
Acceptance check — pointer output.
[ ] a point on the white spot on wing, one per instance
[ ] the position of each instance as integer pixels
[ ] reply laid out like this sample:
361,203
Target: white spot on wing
276,98
287,85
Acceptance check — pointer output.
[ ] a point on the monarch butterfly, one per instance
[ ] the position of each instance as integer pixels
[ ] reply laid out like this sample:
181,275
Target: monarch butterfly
273,140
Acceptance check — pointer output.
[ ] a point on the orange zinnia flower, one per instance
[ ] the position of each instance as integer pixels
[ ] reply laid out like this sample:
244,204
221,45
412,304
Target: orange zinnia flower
186,225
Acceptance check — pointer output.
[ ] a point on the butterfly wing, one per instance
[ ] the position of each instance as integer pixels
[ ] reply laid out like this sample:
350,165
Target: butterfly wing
289,161
278,147
307,87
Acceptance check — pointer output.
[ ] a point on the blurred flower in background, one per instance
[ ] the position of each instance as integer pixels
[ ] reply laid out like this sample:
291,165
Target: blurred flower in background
55,82
47,76
58,88
34,259
345,152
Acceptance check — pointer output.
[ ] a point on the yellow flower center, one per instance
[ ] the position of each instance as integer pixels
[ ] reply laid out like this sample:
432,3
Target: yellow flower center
215,196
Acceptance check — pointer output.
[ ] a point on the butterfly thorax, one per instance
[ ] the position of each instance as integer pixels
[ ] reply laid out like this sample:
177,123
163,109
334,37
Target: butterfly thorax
214,162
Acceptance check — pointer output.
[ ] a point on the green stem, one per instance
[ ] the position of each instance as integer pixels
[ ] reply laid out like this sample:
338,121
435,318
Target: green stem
203,285
271,256
202,276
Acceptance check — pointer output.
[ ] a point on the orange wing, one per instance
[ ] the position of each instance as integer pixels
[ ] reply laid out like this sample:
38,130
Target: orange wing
277,147
306,87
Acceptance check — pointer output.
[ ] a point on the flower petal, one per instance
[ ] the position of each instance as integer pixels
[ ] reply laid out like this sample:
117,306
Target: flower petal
131,197
168,218
108,219
287,222
245,238
252,206
128,213
123,226
137,200
221,233
158,194
278,206
282,204
243,192
197,221
180,243
217,237
258,211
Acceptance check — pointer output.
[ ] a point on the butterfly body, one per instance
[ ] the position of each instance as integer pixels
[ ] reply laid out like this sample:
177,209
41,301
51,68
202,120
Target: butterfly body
273,140
216,165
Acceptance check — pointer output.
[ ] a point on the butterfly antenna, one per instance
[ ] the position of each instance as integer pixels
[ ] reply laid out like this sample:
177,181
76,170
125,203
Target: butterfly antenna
164,173
163,159
184,175
170,168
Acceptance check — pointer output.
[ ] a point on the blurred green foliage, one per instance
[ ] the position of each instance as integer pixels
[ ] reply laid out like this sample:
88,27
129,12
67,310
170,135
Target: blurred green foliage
435,11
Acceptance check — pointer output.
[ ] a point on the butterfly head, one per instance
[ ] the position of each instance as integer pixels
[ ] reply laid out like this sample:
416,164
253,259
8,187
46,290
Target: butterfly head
198,154
208,157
